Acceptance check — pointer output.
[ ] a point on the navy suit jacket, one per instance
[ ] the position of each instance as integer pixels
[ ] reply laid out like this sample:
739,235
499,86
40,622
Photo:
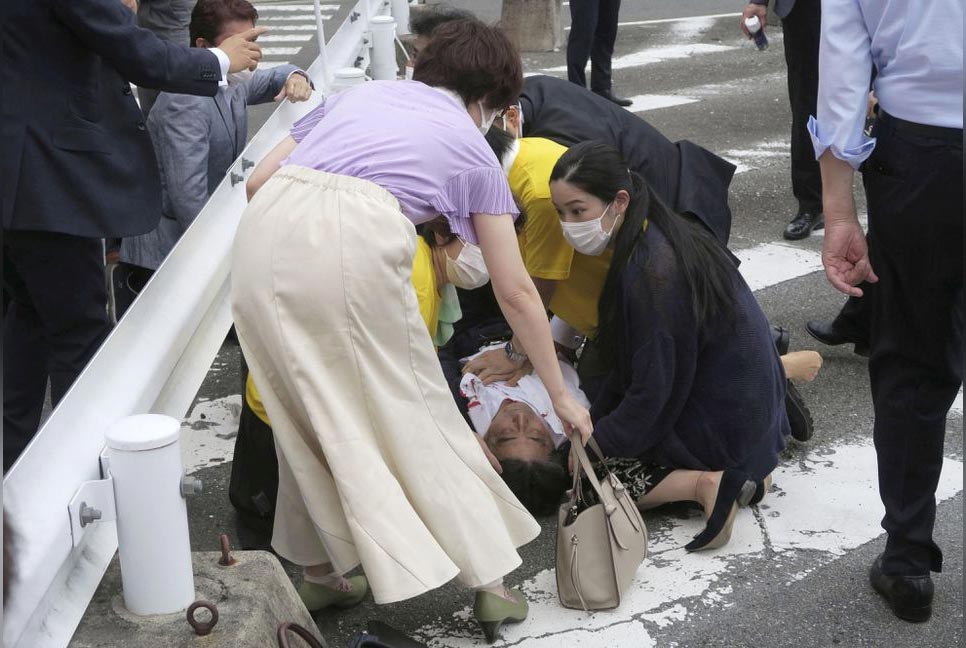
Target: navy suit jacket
687,177
76,157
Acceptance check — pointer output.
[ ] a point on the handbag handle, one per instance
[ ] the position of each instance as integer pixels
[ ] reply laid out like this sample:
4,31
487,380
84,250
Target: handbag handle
583,464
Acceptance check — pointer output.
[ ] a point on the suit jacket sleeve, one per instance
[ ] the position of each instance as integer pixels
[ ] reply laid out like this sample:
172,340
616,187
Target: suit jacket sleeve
182,139
266,84
108,28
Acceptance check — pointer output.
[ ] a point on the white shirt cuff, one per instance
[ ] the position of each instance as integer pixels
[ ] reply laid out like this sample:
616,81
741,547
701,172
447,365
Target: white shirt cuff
223,62
854,155
564,334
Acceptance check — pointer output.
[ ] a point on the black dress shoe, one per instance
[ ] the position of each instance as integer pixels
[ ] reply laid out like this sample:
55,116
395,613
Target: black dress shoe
799,418
803,224
609,96
910,597
826,333
781,338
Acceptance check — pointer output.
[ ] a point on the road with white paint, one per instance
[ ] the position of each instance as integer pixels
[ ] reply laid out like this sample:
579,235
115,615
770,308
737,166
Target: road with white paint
794,573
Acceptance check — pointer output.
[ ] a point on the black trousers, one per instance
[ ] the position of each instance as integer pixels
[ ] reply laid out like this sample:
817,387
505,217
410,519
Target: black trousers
55,321
855,317
593,31
801,28
914,187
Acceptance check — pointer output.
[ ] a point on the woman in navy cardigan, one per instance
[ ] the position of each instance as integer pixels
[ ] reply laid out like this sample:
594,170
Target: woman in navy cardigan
695,388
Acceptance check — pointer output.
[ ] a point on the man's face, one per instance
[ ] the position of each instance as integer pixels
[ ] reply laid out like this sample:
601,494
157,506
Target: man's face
517,432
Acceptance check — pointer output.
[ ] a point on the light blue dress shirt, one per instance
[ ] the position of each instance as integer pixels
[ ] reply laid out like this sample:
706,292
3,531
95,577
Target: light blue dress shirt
917,47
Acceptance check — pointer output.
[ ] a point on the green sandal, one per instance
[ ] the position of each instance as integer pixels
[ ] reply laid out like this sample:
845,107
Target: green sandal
318,597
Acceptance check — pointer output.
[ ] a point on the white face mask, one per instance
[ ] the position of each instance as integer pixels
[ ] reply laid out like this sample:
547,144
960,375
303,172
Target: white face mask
468,271
589,237
486,122
242,76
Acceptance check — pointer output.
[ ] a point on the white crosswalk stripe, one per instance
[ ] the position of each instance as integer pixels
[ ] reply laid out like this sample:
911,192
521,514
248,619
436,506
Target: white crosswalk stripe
280,44
652,55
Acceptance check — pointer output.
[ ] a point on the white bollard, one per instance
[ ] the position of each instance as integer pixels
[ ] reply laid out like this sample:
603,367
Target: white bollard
400,11
347,77
152,520
383,58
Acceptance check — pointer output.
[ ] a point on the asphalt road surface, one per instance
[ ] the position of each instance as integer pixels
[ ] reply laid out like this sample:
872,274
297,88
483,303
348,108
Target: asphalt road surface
795,572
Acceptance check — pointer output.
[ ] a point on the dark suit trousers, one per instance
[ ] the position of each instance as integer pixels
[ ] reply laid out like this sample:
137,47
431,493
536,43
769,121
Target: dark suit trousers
914,188
55,322
801,28
593,31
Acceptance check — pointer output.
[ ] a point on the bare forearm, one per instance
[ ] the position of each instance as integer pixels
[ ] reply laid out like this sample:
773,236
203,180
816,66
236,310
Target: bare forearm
838,202
531,329
518,297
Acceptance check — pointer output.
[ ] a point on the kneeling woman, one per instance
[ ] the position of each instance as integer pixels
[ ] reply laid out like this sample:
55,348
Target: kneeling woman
695,385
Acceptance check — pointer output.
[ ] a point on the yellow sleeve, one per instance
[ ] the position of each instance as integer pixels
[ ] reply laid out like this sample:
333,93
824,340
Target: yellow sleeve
424,281
546,253
255,401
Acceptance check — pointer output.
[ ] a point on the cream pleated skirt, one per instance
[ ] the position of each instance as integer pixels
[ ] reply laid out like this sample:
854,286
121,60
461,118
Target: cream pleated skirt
376,464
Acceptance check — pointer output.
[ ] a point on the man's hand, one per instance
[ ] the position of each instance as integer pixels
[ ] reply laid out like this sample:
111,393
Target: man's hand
845,256
297,88
873,102
242,51
494,366
754,10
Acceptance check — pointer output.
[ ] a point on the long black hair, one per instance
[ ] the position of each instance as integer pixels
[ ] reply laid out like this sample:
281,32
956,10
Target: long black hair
598,169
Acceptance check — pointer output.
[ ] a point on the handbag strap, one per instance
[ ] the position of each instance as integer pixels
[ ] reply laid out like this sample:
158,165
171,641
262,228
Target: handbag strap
583,464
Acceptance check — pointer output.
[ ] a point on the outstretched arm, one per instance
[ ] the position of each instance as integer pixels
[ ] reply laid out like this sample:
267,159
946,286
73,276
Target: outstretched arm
269,165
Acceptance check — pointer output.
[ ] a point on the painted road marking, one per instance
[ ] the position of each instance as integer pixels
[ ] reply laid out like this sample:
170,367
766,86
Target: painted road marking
280,51
660,21
284,28
284,38
760,154
659,54
671,582
208,433
295,7
773,263
643,103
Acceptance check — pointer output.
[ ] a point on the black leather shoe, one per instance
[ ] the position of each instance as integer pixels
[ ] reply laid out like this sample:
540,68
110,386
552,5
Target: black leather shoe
781,338
609,96
826,333
803,224
910,597
799,418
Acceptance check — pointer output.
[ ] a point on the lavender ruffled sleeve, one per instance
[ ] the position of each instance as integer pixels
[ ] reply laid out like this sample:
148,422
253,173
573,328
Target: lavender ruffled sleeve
310,120
482,190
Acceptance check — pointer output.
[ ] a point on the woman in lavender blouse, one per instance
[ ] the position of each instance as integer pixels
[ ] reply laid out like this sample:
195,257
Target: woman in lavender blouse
376,465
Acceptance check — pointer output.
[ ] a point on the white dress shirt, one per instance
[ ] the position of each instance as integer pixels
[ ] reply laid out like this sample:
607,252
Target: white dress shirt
485,400
917,48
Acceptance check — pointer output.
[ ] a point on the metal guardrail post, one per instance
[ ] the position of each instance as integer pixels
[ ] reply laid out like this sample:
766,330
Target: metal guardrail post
383,65
400,11
320,37
152,519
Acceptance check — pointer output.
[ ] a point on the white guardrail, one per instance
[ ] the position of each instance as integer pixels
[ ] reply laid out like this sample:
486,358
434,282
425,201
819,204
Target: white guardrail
154,361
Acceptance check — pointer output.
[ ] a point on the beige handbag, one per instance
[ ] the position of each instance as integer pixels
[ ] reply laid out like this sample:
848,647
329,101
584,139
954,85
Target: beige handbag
599,547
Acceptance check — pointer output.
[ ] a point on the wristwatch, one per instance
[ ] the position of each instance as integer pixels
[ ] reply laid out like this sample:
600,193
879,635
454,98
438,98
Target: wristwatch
514,355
